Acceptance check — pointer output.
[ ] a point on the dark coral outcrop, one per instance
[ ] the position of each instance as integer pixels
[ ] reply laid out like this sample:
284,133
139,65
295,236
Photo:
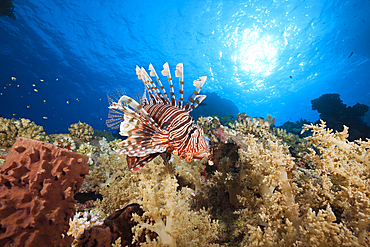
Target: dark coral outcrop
37,185
117,225
336,114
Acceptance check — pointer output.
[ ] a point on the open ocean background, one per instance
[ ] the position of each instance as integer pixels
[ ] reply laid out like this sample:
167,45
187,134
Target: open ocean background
266,57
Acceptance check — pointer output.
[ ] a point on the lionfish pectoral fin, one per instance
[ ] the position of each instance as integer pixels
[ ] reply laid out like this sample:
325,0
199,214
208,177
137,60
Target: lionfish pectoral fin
144,139
136,163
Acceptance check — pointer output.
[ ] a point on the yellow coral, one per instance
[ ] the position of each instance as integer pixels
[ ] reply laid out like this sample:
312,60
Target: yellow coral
169,210
11,129
82,131
114,181
326,206
257,126
83,222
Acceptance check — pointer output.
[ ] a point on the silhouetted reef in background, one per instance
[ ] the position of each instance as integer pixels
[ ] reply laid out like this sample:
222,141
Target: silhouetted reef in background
7,9
214,105
336,114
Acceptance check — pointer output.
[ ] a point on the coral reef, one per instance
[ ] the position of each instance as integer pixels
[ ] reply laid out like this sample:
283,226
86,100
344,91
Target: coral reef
88,150
11,129
211,107
336,114
326,205
82,131
64,141
169,212
7,9
37,184
287,191
106,134
261,186
296,127
113,180
82,222
114,230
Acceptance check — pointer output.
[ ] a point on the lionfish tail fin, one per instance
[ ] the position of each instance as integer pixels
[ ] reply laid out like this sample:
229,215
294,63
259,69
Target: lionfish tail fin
198,84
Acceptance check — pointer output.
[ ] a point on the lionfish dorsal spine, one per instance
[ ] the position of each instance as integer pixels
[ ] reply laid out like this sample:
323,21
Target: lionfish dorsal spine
180,74
198,101
140,76
153,73
166,72
154,94
198,84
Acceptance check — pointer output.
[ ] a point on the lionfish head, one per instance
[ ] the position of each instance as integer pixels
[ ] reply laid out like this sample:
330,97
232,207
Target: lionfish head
198,145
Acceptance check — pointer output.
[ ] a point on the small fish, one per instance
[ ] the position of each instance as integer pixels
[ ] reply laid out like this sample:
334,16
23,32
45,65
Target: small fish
158,125
350,55
13,78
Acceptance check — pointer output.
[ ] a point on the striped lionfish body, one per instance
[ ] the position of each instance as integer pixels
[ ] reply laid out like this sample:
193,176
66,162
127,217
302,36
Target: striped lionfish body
158,125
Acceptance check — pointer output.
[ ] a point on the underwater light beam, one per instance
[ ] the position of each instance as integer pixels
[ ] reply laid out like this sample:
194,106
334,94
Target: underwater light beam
256,55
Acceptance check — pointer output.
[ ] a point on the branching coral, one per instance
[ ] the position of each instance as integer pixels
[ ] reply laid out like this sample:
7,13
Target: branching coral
64,141
327,205
82,222
167,213
189,171
257,126
113,180
268,167
88,150
83,131
166,210
285,191
11,129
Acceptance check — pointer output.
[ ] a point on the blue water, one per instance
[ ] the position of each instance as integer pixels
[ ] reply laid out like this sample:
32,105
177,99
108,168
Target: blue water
268,57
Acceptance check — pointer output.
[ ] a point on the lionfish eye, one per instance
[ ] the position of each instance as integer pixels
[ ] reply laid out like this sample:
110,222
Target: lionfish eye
192,131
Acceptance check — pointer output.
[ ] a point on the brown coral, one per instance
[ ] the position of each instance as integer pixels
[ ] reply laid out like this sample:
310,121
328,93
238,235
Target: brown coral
117,225
37,184
82,131
11,129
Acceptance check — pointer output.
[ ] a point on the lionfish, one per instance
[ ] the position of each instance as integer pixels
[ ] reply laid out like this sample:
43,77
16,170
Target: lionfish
158,125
